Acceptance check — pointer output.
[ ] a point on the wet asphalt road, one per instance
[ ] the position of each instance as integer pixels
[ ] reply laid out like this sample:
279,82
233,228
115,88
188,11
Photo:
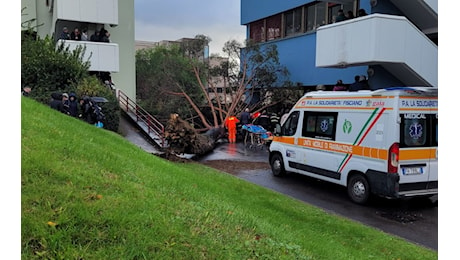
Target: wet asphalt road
415,220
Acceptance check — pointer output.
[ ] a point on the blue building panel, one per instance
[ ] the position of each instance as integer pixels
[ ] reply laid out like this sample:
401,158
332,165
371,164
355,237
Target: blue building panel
253,10
297,32
298,55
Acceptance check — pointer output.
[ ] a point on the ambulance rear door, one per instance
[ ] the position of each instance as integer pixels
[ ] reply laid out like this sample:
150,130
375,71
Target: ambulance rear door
418,145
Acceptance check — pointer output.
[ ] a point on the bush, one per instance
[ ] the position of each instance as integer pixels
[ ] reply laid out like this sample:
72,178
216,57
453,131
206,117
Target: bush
48,68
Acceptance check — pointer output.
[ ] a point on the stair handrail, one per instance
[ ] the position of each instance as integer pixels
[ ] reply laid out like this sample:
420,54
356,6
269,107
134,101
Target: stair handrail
153,125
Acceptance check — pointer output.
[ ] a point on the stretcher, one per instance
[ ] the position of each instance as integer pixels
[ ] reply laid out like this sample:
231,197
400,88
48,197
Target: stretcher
256,137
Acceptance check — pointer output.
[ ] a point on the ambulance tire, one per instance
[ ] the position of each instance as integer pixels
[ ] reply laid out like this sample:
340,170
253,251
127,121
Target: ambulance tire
358,189
277,165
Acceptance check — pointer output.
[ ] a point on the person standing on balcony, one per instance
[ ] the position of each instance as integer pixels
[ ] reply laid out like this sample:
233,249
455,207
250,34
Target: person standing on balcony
104,35
359,84
95,36
84,34
350,15
361,12
75,35
65,34
339,86
340,16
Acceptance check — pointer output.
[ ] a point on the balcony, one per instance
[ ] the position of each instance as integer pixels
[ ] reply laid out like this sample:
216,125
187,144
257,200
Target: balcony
387,40
102,56
91,11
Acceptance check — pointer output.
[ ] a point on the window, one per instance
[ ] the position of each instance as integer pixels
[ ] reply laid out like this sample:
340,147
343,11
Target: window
302,19
334,8
293,22
290,126
320,125
274,27
419,130
257,31
315,16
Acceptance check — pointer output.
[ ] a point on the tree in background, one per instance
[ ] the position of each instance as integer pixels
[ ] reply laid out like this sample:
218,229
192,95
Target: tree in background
163,74
256,78
160,71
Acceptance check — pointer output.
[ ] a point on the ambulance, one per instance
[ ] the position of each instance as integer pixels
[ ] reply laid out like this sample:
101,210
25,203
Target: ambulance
382,142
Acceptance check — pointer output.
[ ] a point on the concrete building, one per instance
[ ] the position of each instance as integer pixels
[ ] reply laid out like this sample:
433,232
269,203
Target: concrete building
183,42
116,57
395,44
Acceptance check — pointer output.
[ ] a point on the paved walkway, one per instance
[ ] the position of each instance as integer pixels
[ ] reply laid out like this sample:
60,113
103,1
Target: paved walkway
223,151
136,136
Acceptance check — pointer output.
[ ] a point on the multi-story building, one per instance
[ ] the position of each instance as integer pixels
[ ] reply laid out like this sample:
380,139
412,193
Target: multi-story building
394,44
202,54
116,57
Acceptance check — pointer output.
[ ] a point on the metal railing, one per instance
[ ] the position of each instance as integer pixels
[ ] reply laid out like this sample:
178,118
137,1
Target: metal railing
146,121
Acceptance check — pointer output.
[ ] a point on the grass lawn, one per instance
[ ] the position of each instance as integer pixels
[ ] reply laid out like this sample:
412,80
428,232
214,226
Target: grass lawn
87,193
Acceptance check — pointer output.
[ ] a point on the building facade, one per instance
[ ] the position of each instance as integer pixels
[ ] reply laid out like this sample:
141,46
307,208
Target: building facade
393,44
115,57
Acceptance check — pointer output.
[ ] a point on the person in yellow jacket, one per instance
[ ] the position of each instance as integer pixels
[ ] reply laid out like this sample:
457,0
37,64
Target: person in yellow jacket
230,124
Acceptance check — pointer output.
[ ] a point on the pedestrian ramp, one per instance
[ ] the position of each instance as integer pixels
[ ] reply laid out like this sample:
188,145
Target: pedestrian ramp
146,122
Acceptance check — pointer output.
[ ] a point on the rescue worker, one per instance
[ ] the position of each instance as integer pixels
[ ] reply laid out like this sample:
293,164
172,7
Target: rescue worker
230,124
274,119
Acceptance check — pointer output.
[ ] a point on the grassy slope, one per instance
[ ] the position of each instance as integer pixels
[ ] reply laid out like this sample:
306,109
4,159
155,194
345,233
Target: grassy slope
87,193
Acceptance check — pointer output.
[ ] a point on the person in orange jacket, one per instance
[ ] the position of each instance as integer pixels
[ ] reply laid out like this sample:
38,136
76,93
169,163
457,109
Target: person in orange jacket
230,123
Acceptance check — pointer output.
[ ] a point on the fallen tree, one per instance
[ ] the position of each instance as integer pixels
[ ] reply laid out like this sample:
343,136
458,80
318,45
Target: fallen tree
182,138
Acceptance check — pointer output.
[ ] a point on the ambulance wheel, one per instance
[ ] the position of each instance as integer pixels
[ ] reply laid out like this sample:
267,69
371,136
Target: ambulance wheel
358,189
277,165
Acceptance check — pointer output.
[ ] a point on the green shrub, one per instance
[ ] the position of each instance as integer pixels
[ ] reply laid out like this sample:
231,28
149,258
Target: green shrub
47,67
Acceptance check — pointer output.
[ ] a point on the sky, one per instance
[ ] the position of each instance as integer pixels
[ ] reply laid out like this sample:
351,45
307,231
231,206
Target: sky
157,20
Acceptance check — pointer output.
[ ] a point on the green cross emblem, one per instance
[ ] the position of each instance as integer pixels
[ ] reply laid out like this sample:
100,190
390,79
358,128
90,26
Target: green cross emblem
347,126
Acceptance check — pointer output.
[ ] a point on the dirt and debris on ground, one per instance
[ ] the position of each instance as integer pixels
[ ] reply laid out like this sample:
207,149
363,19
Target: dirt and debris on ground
234,167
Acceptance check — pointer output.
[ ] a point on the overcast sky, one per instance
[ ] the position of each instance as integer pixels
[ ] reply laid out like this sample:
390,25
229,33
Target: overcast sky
158,20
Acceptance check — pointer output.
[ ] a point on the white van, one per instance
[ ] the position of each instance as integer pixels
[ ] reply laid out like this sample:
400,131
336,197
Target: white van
382,142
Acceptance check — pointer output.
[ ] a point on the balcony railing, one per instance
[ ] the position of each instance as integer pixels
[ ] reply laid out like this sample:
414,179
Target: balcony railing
102,56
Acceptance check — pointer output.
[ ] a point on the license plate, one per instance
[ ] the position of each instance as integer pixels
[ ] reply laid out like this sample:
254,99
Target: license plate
412,171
